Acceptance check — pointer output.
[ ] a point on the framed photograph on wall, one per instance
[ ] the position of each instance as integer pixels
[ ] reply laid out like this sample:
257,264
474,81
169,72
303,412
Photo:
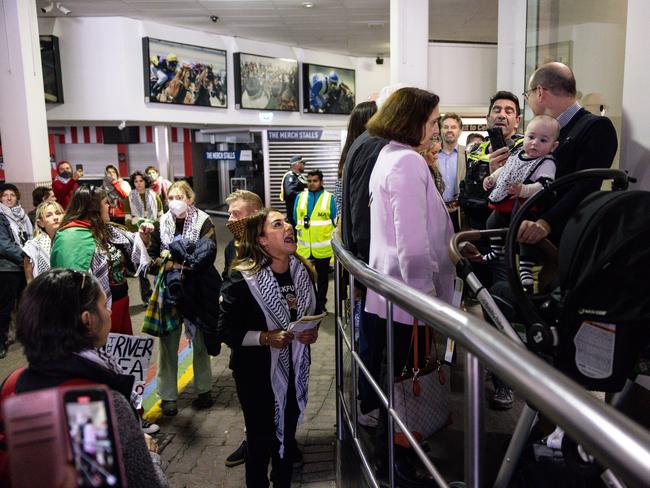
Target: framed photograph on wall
183,74
51,62
266,83
327,90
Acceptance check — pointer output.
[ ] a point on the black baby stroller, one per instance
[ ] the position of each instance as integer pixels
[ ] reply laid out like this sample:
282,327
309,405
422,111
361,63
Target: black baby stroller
592,324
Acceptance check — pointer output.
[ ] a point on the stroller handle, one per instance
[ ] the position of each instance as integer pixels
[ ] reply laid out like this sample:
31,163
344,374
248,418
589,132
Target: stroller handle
457,239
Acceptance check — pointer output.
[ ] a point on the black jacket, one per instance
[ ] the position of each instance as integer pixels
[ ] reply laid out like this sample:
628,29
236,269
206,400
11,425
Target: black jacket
584,144
293,185
359,164
240,313
11,254
199,302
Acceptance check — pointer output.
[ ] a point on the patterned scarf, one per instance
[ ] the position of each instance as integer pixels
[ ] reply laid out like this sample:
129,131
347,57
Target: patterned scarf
131,244
138,209
21,227
103,359
194,220
264,288
38,251
518,169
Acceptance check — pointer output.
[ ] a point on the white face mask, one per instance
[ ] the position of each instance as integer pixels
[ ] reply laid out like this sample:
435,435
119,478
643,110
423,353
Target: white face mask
178,207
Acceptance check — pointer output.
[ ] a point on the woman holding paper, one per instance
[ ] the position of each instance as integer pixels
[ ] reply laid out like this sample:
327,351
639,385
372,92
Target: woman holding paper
268,307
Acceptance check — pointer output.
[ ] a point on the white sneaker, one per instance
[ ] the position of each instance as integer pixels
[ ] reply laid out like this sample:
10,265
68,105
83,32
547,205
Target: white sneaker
370,419
149,428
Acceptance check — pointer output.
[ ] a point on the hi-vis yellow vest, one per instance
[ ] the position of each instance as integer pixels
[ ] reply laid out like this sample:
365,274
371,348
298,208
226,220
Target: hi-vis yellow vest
316,241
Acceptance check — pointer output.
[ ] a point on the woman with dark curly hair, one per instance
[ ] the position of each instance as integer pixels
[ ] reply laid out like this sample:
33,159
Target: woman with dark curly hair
87,242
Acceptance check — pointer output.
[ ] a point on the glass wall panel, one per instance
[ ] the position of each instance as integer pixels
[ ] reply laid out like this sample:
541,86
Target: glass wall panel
588,36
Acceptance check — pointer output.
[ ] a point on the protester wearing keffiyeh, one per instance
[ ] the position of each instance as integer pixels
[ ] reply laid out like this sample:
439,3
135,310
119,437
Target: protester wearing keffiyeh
263,300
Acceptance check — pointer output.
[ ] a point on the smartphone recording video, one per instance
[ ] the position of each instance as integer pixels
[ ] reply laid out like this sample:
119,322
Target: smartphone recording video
497,140
94,450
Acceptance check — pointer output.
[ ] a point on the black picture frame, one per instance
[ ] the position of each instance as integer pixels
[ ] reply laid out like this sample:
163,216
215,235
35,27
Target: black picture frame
270,92
51,64
339,99
193,62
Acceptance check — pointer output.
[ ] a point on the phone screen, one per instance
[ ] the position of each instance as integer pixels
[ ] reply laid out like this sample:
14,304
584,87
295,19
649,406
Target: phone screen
91,435
497,140
79,167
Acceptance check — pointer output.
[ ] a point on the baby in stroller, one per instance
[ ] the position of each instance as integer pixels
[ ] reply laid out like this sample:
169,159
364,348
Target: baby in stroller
520,178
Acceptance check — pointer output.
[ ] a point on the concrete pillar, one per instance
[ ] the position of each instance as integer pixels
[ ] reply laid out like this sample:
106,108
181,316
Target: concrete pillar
162,138
409,42
23,122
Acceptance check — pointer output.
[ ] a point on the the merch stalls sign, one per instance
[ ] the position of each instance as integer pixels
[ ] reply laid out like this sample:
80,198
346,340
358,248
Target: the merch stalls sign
301,135
132,355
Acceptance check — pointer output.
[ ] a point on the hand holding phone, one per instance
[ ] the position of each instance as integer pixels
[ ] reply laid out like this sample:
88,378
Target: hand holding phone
60,427
497,141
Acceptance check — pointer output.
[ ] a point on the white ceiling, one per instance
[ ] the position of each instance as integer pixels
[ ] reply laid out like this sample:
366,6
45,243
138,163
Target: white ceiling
355,27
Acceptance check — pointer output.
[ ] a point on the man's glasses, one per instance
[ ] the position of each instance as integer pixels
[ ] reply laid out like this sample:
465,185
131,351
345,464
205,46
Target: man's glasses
528,92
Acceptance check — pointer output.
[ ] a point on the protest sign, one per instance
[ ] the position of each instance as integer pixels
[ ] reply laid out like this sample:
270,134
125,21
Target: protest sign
132,354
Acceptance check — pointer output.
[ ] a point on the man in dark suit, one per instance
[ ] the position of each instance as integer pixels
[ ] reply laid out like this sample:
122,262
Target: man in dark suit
587,141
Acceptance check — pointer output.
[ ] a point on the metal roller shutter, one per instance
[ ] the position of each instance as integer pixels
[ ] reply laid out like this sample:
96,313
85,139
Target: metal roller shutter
323,155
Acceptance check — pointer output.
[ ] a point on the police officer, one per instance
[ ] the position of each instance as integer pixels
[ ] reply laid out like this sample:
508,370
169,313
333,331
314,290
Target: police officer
504,113
315,212
293,182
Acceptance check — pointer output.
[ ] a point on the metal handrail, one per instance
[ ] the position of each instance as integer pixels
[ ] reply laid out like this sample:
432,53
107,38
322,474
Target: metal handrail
616,441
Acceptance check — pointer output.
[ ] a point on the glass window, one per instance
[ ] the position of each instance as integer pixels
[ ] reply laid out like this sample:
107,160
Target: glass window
230,166
589,37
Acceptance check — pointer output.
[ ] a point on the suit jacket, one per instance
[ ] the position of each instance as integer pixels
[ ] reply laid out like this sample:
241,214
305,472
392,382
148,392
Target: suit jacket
591,146
409,228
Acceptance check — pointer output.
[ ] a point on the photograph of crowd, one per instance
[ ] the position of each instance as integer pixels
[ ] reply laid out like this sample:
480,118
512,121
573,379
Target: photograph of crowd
51,63
266,83
184,74
327,90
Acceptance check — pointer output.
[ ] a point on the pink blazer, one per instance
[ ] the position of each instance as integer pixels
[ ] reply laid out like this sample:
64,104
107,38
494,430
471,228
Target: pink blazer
410,228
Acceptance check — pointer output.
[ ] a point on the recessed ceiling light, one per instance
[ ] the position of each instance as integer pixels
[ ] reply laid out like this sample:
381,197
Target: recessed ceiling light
308,4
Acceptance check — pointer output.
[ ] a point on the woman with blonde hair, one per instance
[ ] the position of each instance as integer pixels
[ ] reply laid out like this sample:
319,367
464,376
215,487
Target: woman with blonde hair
48,217
182,221
269,290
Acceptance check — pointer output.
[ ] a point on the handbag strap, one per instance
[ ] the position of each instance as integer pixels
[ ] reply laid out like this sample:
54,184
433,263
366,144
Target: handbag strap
427,345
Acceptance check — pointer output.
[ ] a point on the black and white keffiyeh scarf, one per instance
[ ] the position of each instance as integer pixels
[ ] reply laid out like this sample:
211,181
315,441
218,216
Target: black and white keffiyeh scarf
194,220
21,227
266,291
38,251
145,211
133,247
100,357
518,169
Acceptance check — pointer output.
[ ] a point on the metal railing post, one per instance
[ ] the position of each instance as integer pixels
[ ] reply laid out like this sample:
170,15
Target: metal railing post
473,422
390,381
353,349
338,344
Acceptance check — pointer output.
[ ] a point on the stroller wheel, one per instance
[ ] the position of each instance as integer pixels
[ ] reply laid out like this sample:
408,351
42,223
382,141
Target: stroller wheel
578,460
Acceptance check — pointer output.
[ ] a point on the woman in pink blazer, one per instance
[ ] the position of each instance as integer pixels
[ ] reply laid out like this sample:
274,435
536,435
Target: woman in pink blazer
409,223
